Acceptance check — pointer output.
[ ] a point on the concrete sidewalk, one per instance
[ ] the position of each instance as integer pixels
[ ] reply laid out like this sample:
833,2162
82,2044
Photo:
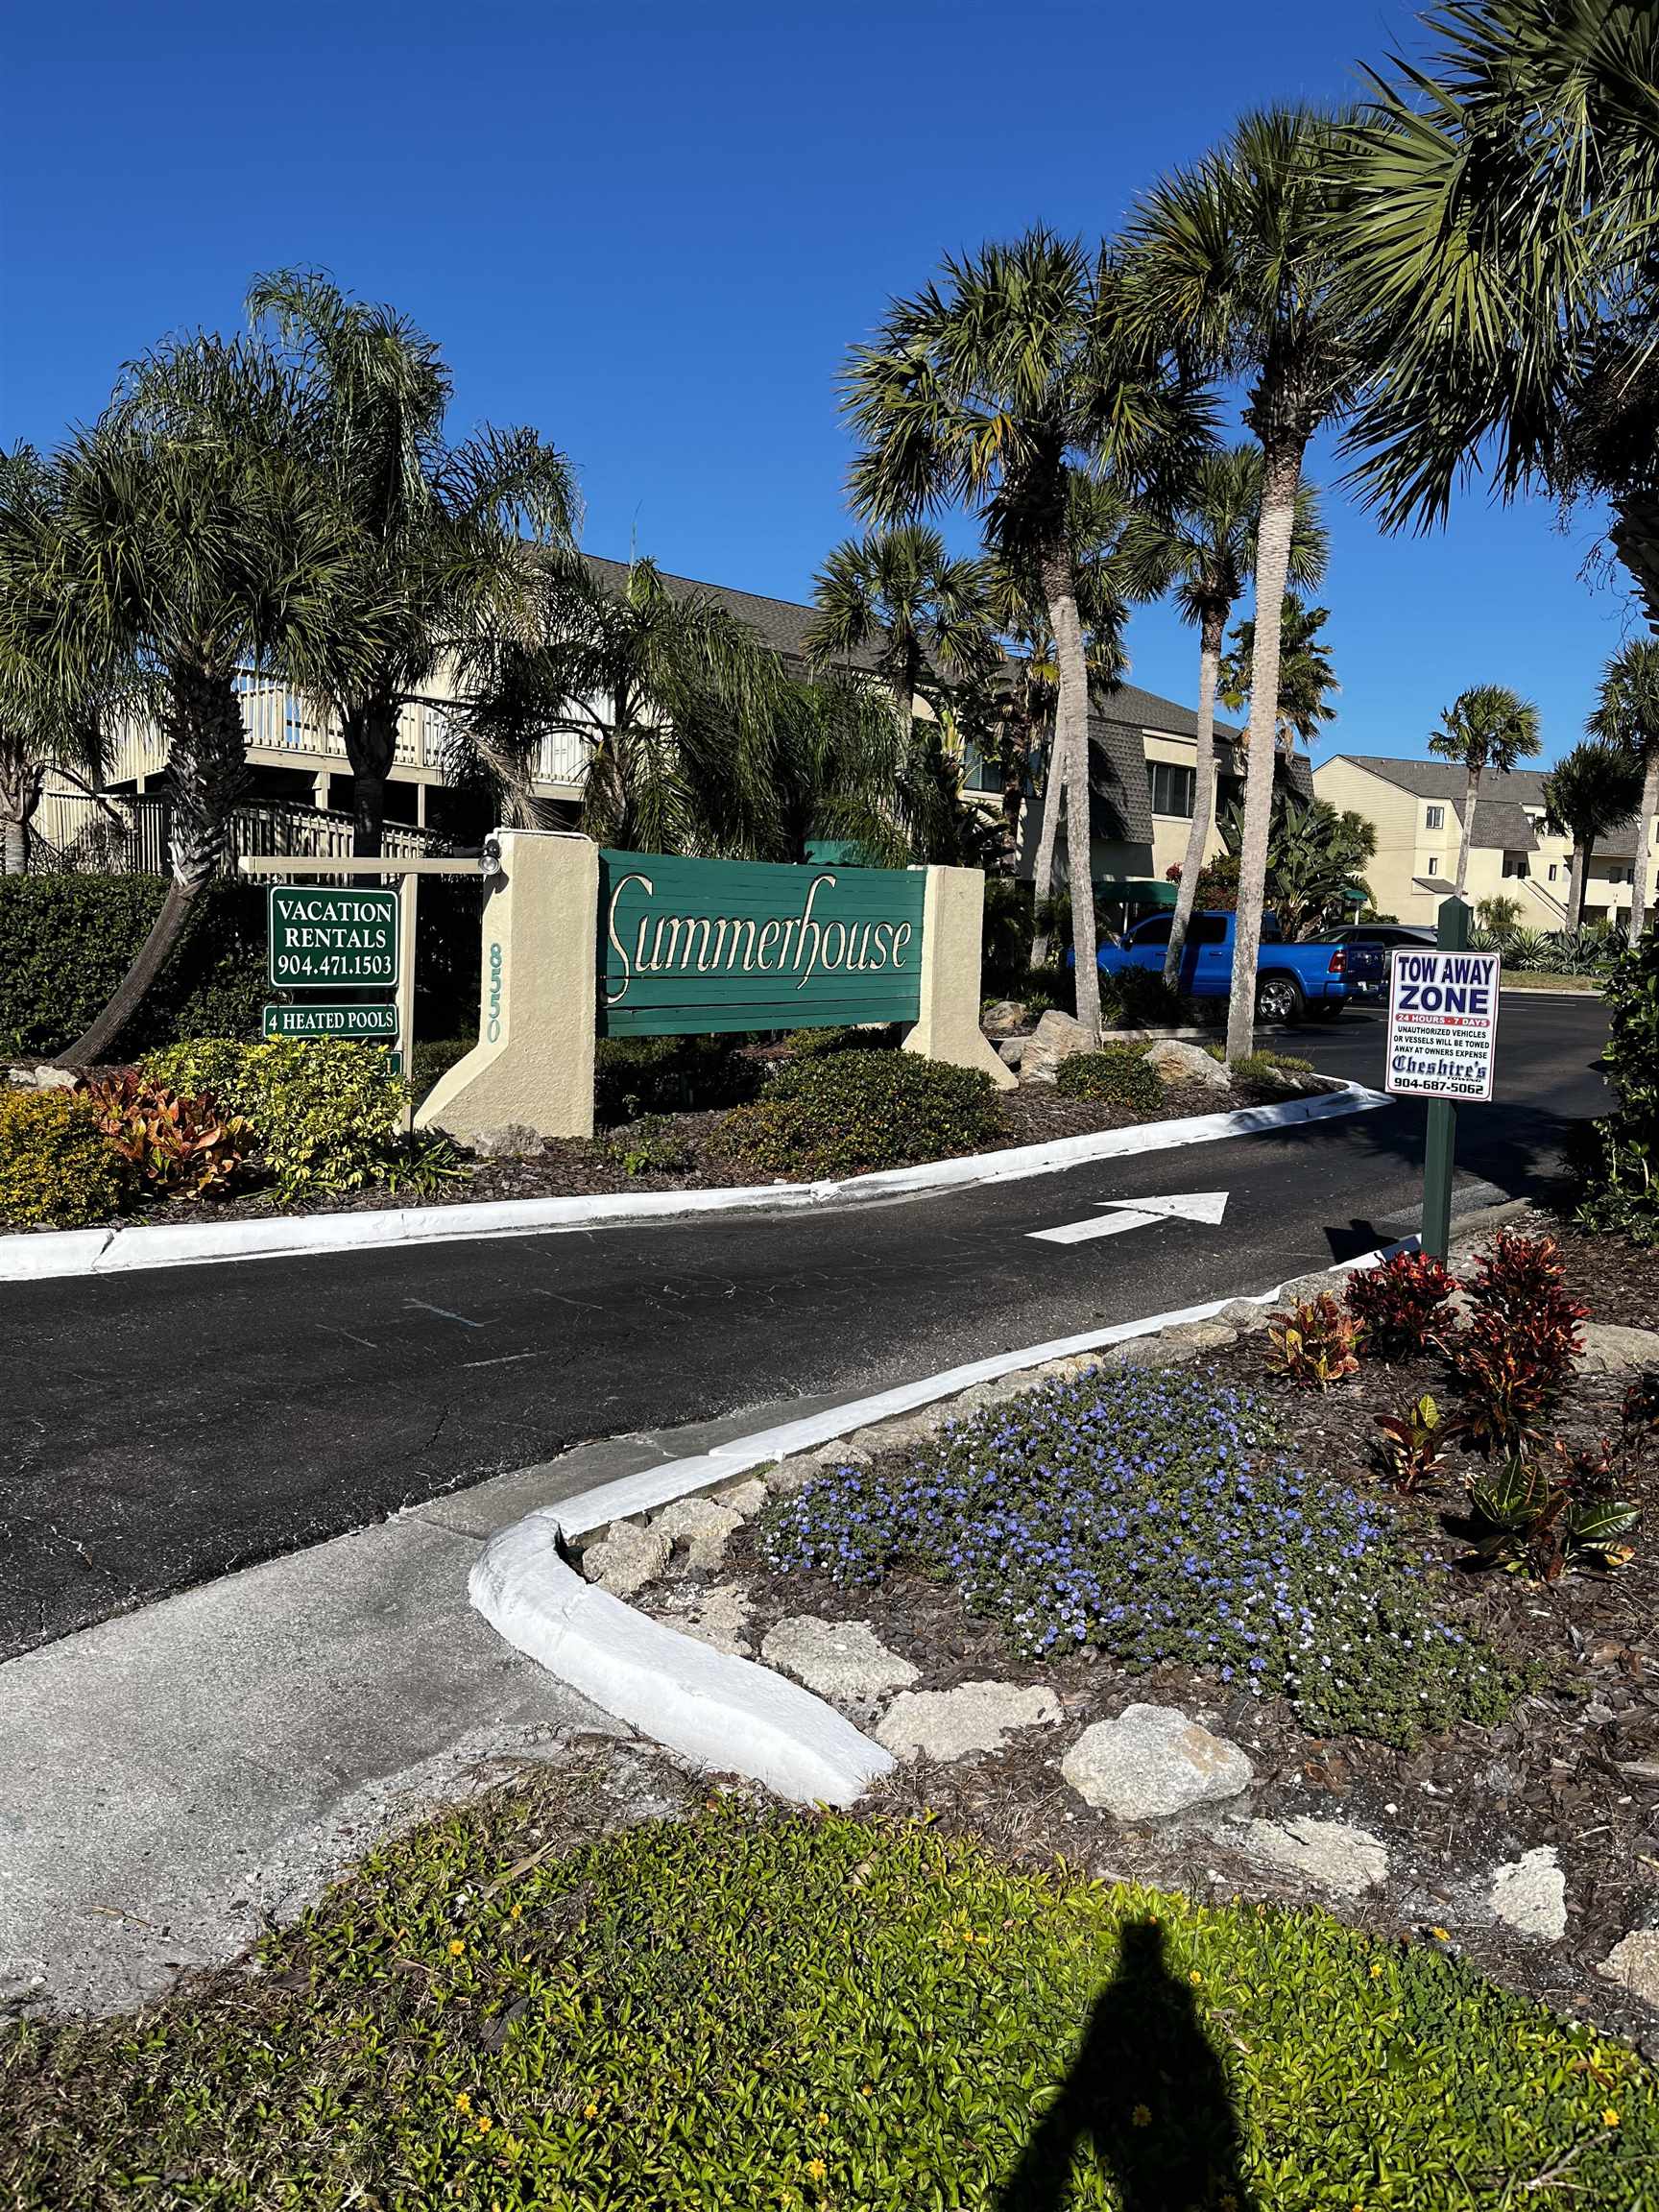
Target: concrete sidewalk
173,1778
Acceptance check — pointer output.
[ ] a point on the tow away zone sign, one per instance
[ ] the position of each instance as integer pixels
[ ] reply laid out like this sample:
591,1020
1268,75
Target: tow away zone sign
1442,1024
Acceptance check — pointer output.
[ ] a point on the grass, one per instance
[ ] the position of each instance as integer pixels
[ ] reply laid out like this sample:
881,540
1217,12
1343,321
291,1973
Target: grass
1533,979
751,2009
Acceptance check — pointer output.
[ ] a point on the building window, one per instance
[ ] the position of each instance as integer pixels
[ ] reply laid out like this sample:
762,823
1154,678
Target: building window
1553,871
1516,864
1172,788
1433,864
1434,818
977,772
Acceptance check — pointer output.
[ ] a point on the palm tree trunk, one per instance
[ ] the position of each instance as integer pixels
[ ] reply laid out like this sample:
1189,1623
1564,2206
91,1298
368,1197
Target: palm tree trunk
1281,474
370,729
1203,796
13,844
1644,844
207,768
1578,872
1471,799
1047,840
1072,757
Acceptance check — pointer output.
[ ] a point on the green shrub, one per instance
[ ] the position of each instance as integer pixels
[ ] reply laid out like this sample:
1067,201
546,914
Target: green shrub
1117,1075
635,1075
1255,1067
1139,1000
652,1146
1153,1518
326,1114
756,2008
1616,1160
55,1164
844,1113
810,1043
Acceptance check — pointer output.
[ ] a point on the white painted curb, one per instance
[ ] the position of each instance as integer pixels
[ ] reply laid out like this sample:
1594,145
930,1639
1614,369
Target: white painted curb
53,1253
720,1712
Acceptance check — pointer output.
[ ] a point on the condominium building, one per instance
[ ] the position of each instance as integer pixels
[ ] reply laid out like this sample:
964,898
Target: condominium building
1416,809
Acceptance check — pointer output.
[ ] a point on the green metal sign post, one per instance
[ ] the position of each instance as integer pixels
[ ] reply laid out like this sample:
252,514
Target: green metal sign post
1440,1150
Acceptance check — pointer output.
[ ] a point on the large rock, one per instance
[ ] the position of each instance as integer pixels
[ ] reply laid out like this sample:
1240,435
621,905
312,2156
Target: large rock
1633,1962
743,1496
1328,1853
511,1141
1152,1762
719,1619
1000,1019
844,1661
1184,1066
1056,1037
1011,1050
625,1559
704,1527
951,1723
1530,1894
1611,1349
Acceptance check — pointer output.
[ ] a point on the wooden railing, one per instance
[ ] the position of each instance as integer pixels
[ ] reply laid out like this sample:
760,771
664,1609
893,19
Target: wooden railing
73,832
282,727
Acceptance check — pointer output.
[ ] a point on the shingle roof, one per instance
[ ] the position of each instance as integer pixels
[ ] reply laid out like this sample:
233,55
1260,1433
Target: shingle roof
1500,822
1122,807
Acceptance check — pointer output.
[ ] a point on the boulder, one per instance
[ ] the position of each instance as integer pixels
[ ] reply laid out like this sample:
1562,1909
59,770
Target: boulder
626,1558
1530,1894
513,1141
719,1618
1331,1854
743,1497
1002,1019
951,1723
703,1527
1610,1349
1056,1037
1179,1065
842,1660
1152,1762
1012,1050
1633,1962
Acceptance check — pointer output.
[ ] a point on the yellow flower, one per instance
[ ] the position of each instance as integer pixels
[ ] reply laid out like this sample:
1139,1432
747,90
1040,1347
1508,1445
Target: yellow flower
1376,1968
1140,2117
1441,1935
816,2169
1609,2118
1195,1976
822,2119
463,2103
485,2123
514,1912
457,1949
589,2111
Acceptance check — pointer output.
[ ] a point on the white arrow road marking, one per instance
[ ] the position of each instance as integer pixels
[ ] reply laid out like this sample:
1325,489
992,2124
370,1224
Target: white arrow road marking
1120,1213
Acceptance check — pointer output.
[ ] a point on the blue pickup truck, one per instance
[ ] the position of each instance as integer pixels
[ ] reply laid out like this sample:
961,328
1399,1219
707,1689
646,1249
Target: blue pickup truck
1292,981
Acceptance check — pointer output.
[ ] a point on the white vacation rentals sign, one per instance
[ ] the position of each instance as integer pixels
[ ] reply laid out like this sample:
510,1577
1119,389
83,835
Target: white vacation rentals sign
1442,1024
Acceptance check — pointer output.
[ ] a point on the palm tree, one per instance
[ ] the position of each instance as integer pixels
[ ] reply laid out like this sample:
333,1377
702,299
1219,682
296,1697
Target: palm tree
983,390
191,541
1486,726
1306,680
1236,259
896,600
436,527
1587,793
1204,551
1628,715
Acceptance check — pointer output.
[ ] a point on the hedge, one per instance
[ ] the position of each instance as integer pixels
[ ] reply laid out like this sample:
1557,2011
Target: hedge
66,940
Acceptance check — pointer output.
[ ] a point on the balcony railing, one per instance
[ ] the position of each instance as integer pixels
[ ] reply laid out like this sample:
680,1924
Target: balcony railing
283,727
73,832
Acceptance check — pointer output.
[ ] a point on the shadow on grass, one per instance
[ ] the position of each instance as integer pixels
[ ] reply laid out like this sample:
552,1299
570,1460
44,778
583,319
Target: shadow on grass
1147,2094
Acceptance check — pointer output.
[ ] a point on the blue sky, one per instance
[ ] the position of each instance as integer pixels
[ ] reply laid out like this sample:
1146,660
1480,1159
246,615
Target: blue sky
653,232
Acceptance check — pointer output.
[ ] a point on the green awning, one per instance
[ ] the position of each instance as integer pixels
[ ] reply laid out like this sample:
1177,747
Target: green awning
1136,891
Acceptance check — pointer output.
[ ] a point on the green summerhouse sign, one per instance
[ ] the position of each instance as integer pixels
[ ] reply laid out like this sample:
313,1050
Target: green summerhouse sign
703,945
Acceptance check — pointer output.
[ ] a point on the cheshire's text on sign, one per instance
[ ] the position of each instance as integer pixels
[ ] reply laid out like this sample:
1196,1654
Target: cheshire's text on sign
1442,1024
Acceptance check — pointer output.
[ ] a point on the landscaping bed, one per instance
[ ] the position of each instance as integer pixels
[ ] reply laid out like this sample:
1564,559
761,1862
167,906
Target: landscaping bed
735,2007
1500,1784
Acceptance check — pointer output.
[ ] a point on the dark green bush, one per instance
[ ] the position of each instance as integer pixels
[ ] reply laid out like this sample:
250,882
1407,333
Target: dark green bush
326,1114
635,1075
1139,1000
1117,1075
812,1043
844,1113
1616,1160
57,1165
652,1146
66,940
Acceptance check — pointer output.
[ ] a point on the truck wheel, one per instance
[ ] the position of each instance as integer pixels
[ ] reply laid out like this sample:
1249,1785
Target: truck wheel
1279,998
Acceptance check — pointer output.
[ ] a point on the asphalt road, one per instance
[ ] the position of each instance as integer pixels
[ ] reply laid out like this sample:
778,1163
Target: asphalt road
159,1429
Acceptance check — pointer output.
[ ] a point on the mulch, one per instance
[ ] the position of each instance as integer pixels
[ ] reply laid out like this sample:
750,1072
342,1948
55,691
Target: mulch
1575,1765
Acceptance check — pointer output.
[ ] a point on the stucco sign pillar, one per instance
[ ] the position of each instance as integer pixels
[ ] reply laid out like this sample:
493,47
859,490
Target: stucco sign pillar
581,943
